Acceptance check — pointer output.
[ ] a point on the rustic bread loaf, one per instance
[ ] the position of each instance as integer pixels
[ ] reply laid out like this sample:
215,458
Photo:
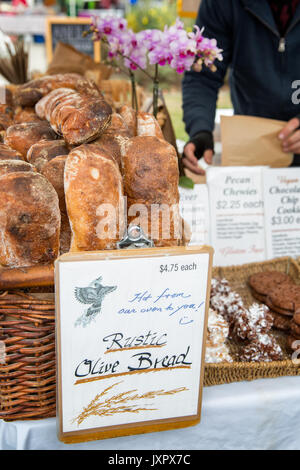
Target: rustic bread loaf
29,220
22,136
78,118
12,166
150,174
31,92
94,198
44,151
7,153
130,118
23,115
43,107
148,125
109,140
53,170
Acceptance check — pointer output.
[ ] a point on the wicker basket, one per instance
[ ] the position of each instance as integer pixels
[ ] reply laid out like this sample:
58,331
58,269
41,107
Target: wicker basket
237,276
27,356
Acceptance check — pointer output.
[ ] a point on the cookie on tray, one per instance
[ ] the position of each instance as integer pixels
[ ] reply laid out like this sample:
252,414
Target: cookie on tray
284,299
281,322
261,283
293,343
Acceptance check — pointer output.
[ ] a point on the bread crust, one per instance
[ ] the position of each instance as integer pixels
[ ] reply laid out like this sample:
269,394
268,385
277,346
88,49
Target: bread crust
93,185
29,220
150,173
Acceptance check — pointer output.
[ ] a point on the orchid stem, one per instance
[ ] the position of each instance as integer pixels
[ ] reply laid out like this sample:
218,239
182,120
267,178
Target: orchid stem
155,92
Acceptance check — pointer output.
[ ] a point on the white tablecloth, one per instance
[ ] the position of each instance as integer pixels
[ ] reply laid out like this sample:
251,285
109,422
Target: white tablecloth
263,414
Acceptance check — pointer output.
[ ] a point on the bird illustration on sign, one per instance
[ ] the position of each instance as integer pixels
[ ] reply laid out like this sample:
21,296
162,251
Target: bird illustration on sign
92,295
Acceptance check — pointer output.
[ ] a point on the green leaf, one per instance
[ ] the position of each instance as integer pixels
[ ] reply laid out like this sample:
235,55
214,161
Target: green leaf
186,182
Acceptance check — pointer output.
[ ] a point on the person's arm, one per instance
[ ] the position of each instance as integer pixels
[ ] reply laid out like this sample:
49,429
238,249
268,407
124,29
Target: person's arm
200,89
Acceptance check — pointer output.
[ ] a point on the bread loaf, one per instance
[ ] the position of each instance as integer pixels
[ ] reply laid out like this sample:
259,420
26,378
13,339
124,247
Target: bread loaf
78,118
53,170
150,174
44,107
22,136
44,151
23,115
130,119
110,139
29,220
12,166
31,92
147,125
7,153
94,198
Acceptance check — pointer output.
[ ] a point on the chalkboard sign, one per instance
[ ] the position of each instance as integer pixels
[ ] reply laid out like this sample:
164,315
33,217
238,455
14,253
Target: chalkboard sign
69,31
131,331
188,8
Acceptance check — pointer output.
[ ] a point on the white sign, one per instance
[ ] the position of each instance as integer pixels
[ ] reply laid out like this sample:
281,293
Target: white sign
282,211
194,209
236,215
130,338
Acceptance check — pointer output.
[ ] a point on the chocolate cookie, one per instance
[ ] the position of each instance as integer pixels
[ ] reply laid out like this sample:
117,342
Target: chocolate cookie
295,329
284,298
293,343
281,322
262,283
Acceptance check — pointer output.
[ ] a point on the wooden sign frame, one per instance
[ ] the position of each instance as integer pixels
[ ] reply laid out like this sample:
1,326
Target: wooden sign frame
188,8
165,255
67,20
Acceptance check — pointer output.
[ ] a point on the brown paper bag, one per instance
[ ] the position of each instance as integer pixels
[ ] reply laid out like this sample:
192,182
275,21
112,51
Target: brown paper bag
67,59
250,141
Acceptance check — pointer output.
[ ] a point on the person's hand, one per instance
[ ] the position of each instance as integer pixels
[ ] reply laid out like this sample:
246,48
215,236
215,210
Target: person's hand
290,136
201,145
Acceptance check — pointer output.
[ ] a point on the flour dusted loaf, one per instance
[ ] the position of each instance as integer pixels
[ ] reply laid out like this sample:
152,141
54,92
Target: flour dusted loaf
53,170
147,125
7,153
150,173
21,137
44,151
94,198
31,92
12,166
29,220
130,119
110,139
77,117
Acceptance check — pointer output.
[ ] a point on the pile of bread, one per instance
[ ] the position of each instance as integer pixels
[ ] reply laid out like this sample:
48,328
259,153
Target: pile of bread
65,155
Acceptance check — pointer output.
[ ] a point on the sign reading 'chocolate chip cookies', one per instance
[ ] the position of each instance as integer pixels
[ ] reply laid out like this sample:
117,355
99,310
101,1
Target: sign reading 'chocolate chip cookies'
130,334
282,211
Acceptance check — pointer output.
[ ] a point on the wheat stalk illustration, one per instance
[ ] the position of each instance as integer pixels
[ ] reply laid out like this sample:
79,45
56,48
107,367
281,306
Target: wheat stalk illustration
103,405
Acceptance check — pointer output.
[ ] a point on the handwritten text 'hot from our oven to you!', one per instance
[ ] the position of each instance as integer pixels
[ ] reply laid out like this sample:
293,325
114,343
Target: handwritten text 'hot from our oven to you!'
147,347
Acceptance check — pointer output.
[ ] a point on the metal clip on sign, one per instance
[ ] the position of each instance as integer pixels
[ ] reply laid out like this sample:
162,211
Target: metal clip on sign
134,238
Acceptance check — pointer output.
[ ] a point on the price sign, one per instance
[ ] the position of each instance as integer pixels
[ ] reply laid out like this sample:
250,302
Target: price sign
194,208
282,211
236,214
130,340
